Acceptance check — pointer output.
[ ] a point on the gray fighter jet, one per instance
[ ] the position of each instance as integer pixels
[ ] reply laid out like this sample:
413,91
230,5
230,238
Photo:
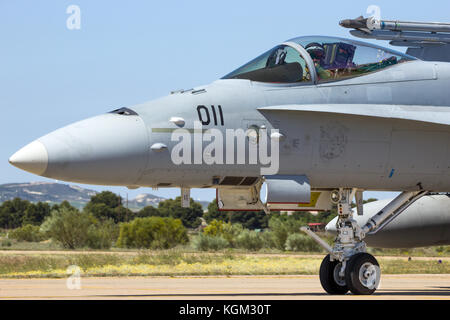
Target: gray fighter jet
316,119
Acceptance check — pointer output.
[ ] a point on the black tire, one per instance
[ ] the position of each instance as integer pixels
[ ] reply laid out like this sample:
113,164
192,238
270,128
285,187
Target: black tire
362,274
327,277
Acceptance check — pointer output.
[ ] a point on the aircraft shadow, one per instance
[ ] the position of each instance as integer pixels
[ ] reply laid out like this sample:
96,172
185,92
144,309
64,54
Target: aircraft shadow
213,294
412,292
438,291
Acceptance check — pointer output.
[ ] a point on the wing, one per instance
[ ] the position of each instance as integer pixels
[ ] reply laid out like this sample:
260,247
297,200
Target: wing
430,114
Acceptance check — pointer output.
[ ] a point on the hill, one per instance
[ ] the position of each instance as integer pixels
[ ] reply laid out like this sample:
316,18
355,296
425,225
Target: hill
52,192
46,192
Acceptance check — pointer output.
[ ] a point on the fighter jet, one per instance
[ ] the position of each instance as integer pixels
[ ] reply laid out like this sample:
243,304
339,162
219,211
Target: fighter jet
316,119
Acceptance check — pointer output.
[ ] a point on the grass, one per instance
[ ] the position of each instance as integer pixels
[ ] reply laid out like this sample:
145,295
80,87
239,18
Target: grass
11,244
399,266
185,261
179,263
436,251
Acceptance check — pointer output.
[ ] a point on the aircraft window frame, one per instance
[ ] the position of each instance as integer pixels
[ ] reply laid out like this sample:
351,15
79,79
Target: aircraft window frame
303,55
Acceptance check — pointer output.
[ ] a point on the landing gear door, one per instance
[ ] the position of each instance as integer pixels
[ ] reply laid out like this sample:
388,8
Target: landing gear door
238,199
247,199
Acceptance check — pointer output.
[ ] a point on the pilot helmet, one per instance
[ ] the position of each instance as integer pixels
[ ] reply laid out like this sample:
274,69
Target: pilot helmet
315,50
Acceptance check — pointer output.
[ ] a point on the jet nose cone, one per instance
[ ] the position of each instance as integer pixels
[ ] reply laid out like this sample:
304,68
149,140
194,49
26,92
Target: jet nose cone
32,158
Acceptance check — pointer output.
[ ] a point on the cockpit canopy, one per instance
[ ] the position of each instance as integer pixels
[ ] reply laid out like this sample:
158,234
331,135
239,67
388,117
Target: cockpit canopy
333,59
282,64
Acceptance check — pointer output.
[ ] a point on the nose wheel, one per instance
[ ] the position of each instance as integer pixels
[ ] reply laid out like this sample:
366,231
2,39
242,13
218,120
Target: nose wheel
330,278
362,274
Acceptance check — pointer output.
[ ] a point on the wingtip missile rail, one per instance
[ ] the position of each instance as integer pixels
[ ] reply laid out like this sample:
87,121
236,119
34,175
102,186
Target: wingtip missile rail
433,36
371,23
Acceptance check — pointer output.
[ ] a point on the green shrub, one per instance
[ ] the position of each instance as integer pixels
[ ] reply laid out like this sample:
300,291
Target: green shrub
214,228
209,243
69,227
249,240
231,232
282,227
28,233
102,235
280,232
227,231
299,242
152,233
269,240
6,243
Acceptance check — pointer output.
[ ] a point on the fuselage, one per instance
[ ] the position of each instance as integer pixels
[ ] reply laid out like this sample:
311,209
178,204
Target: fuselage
365,151
331,149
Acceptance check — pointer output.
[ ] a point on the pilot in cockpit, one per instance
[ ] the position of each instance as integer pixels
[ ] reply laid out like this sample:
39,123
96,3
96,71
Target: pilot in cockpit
317,54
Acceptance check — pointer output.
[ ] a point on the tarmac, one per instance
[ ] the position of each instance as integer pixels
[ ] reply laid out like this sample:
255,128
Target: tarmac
392,287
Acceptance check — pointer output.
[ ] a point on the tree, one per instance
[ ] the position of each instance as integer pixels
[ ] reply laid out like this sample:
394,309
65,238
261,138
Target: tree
17,212
69,227
213,213
122,214
65,204
189,216
248,219
148,211
35,214
107,205
108,198
12,213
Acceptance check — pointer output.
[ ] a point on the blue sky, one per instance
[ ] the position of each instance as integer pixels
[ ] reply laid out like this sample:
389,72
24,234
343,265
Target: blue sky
129,52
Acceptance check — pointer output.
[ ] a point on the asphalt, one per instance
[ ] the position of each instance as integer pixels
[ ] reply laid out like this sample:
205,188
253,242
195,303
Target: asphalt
392,287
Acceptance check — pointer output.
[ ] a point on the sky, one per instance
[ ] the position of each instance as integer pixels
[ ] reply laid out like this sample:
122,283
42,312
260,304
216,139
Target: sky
129,52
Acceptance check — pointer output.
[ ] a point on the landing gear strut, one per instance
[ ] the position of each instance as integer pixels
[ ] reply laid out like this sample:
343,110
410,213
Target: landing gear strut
348,267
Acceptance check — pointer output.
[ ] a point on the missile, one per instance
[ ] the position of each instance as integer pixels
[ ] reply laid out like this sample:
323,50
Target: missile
358,23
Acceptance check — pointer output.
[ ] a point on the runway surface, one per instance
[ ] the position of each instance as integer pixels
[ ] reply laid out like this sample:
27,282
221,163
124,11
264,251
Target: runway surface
223,288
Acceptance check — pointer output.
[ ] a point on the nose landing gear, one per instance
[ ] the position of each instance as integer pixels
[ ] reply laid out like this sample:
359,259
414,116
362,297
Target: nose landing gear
348,267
